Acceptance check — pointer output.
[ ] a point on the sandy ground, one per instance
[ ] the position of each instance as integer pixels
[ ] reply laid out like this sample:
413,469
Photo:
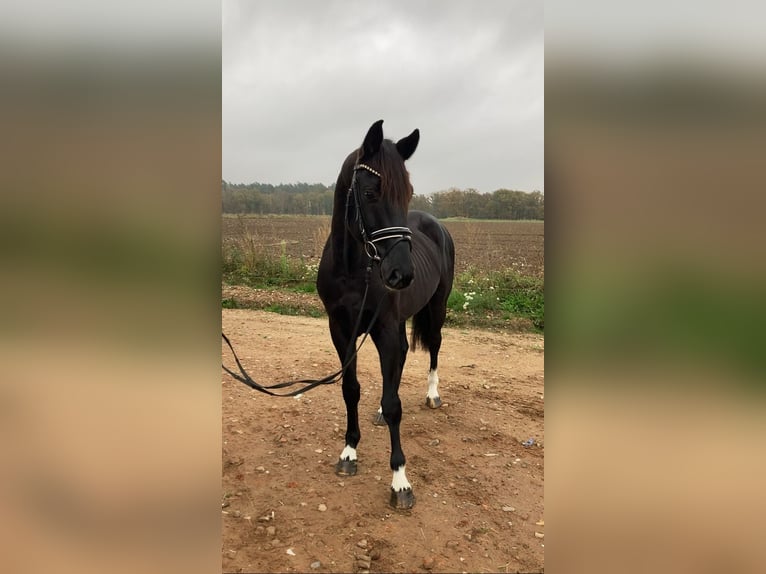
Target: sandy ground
479,490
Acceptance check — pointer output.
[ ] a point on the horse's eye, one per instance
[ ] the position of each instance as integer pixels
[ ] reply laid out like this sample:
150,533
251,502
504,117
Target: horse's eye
370,194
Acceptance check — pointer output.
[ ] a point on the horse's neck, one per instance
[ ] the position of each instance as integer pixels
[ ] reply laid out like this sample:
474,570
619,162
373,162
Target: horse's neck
348,253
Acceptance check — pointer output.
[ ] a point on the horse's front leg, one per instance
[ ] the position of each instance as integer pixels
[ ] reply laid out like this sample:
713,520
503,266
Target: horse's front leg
346,465
392,347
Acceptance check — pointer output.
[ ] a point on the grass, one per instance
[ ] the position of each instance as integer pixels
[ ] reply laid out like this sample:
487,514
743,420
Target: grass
496,298
245,264
230,304
295,310
502,298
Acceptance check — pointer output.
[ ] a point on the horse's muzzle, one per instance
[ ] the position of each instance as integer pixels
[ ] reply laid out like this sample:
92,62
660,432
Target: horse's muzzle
397,280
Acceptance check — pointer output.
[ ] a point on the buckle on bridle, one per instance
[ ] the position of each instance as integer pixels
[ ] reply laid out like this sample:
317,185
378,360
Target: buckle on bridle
374,255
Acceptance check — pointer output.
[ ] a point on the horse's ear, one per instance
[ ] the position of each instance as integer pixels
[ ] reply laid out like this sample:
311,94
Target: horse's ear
372,140
407,146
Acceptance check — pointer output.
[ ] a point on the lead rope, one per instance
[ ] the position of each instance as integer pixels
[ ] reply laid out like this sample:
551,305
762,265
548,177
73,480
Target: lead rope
244,377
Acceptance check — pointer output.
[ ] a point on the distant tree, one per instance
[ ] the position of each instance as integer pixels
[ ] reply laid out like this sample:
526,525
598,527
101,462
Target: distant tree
421,202
317,199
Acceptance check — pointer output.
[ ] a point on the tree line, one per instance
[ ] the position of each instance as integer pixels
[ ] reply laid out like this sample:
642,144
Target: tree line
317,199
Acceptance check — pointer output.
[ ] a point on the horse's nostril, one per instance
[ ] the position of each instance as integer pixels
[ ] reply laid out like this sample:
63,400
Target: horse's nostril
394,279
398,281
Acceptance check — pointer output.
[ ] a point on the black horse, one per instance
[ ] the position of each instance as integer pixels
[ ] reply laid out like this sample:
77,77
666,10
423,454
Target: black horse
415,257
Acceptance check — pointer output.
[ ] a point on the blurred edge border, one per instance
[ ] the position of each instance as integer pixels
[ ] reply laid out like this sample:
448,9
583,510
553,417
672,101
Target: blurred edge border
654,355
110,218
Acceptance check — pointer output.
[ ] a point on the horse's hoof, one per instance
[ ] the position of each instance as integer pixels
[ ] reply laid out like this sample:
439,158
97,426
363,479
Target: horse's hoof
378,419
403,499
434,403
345,468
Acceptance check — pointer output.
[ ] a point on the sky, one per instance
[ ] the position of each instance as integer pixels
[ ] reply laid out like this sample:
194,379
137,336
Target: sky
304,80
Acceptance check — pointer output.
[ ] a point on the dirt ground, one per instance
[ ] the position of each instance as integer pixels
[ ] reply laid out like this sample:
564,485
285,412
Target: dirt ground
479,490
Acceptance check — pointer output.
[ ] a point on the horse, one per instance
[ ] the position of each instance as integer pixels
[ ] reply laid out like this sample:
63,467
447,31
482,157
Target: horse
415,259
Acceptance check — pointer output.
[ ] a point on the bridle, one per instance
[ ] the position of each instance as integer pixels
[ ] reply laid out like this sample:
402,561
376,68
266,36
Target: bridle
370,239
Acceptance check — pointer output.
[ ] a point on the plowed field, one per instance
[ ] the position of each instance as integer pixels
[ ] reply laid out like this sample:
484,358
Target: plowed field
484,244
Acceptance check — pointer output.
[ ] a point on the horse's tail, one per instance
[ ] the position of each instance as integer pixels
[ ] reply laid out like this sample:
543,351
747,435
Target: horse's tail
422,329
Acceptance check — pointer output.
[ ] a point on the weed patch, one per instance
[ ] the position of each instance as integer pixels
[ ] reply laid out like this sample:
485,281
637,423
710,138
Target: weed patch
496,298
500,298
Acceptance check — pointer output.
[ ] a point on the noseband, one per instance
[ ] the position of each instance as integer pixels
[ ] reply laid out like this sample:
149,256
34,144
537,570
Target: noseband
371,238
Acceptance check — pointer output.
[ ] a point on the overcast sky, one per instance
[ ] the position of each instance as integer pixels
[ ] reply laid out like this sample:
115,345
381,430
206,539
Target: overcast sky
304,80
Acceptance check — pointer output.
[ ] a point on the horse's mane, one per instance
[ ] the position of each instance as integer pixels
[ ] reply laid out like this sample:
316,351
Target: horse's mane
395,183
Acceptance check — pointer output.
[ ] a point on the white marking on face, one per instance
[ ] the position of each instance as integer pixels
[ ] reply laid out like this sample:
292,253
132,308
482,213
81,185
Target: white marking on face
433,384
348,453
400,482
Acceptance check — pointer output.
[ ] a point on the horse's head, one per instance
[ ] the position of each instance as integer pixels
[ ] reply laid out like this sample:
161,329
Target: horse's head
382,191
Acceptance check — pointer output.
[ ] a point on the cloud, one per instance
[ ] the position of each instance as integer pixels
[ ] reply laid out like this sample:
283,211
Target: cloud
302,82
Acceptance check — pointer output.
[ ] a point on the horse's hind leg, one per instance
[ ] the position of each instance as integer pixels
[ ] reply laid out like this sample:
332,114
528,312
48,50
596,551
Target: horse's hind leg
346,465
378,419
433,399
437,309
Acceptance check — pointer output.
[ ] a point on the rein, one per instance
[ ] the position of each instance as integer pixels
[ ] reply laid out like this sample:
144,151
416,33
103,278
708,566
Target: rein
398,233
245,378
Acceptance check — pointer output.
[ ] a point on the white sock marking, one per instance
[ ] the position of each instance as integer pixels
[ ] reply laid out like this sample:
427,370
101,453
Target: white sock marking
348,453
433,385
380,410
400,482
